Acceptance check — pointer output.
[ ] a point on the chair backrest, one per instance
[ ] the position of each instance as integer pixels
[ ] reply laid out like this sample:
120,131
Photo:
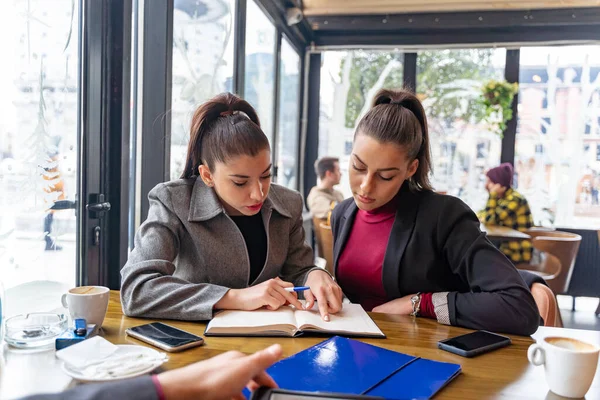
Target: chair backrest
538,230
546,304
327,249
563,246
586,274
316,222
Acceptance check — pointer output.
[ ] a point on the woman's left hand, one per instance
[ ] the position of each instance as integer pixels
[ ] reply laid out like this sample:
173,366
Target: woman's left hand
325,291
401,306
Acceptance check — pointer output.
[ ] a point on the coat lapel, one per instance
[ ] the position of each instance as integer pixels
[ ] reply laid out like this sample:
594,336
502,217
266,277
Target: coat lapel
346,227
402,229
204,204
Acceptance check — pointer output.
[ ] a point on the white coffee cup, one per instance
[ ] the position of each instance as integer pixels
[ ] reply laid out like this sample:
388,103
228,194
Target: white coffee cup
570,364
89,302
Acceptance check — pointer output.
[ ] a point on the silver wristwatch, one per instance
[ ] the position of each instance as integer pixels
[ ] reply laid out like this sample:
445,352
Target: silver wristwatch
415,301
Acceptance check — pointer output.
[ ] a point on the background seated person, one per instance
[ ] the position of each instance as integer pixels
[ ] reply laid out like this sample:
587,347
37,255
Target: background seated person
223,237
426,254
507,207
321,197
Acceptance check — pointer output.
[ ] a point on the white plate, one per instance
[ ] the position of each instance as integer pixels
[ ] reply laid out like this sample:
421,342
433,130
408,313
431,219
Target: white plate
123,349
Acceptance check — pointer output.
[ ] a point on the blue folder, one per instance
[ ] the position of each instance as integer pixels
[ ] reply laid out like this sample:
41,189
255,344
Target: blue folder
344,365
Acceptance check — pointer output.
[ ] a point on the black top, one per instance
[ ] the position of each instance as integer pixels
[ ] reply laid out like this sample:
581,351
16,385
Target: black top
253,231
435,245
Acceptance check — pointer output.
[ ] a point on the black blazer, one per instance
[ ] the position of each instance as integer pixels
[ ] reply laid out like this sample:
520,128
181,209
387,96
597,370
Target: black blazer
436,246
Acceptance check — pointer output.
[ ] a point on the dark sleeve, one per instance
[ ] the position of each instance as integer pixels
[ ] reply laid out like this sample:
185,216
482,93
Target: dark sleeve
530,278
499,299
141,388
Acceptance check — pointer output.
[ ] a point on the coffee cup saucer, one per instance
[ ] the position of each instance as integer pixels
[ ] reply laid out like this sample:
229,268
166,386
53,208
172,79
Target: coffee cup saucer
145,359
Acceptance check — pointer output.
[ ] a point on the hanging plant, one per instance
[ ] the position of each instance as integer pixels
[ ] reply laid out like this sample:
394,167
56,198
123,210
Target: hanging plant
497,98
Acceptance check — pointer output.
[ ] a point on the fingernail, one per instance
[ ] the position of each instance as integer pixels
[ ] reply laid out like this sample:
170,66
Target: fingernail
326,318
274,349
305,306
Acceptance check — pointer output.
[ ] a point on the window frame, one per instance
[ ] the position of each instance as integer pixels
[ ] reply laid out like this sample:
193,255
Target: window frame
103,140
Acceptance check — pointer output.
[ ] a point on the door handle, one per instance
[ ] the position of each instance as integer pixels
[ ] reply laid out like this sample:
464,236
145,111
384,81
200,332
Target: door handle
97,206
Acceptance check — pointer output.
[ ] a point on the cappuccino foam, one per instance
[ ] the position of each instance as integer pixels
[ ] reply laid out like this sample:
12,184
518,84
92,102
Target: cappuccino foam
87,290
570,344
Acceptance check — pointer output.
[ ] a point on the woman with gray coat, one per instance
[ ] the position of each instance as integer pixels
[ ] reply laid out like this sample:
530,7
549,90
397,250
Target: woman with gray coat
222,236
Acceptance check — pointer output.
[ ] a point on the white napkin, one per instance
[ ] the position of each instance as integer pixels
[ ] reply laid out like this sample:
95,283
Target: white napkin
97,358
89,351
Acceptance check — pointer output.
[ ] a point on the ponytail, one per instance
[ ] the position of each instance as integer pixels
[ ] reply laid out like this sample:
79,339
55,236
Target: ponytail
222,128
397,116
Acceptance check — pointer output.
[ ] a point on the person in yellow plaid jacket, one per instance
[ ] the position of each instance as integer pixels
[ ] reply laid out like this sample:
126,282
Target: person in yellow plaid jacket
507,207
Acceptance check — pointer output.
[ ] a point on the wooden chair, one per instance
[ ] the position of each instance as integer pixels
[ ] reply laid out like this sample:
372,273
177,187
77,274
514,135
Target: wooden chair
327,248
559,252
546,304
536,230
316,222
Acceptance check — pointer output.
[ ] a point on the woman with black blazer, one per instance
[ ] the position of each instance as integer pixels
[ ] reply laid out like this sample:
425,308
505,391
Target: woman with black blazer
400,248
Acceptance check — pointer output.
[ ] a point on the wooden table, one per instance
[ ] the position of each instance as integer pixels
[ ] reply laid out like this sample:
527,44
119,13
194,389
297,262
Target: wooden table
496,232
503,373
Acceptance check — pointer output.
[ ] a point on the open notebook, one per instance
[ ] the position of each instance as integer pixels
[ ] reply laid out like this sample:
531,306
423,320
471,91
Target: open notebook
288,321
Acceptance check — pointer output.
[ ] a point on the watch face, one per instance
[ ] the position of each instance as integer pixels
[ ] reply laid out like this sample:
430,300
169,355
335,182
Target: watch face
416,304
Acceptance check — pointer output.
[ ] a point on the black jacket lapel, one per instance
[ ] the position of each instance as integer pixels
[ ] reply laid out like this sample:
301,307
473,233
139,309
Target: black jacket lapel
402,229
345,226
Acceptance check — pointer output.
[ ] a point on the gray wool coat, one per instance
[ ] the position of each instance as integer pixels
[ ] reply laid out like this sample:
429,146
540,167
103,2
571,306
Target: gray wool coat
189,252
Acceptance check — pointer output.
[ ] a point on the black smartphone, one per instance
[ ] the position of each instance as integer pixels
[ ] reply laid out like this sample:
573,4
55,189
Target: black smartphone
474,343
165,336
264,393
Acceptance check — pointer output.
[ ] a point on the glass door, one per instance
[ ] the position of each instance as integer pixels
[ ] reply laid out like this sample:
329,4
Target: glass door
64,119
39,89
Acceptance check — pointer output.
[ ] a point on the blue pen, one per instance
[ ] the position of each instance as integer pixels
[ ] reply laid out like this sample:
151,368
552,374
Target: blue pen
297,289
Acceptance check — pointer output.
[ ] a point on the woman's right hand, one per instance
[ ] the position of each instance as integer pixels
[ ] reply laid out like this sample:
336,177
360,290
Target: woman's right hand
497,189
270,294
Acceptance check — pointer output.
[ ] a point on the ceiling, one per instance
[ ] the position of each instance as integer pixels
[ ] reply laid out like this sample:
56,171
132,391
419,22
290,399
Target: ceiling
355,7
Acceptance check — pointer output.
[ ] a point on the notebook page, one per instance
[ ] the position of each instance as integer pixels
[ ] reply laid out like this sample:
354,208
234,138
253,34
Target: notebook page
252,319
352,319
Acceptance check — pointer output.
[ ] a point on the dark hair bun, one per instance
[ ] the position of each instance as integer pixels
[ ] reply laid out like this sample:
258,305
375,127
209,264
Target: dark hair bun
226,104
400,97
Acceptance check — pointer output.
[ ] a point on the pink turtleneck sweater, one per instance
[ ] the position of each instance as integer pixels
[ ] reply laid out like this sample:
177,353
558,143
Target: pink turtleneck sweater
360,266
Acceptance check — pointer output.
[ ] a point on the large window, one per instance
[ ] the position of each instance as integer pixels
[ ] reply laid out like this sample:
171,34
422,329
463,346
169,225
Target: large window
349,80
260,66
449,83
557,154
202,65
38,140
288,129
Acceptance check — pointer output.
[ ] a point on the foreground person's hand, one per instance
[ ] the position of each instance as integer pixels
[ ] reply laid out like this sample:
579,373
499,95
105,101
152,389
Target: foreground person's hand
221,377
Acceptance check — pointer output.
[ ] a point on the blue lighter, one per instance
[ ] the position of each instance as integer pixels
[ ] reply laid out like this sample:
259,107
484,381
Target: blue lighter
78,334
80,327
